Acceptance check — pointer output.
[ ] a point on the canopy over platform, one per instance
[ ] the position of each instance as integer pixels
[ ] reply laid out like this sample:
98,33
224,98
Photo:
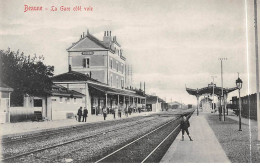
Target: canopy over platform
113,91
209,90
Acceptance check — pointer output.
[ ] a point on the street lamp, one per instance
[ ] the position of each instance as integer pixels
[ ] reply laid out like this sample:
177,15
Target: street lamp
239,83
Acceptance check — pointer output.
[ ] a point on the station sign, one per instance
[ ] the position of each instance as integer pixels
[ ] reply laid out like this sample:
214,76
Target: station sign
87,53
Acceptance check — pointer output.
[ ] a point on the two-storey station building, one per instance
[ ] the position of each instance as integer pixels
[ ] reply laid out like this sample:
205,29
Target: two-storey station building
99,70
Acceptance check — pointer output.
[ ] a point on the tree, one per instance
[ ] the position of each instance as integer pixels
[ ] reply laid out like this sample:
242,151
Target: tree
25,75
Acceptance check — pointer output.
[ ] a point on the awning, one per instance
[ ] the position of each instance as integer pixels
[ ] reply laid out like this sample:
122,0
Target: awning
113,91
209,90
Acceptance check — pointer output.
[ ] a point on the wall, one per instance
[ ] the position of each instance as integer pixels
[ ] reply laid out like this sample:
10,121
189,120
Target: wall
19,114
4,107
60,109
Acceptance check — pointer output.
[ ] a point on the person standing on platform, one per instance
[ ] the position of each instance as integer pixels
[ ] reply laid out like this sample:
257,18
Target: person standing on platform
126,111
119,111
85,114
185,124
115,111
130,109
79,114
104,110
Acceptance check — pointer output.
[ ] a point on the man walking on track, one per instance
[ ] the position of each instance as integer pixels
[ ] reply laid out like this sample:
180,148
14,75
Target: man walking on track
85,114
185,124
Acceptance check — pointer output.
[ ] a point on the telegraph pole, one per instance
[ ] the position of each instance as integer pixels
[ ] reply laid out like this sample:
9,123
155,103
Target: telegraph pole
257,70
222,94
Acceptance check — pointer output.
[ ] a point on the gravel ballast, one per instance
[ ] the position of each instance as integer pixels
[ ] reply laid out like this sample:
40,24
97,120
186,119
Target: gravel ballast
239,146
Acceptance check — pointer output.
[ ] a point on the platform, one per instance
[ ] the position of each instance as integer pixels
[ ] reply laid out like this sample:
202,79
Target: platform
10,129
204,148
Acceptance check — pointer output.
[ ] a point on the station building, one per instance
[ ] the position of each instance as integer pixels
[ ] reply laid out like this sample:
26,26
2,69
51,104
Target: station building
103,60
99,70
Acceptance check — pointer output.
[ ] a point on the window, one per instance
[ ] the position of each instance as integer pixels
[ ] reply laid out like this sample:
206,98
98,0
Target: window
37,102
117,66
111,63
60,99
85,63
117,83
122,84
111,80
122,66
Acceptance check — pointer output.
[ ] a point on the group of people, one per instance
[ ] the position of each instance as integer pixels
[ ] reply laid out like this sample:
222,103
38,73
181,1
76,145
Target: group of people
117,110
83,114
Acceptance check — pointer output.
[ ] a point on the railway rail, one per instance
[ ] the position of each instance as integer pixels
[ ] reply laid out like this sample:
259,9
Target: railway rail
6,159
113,156
13,157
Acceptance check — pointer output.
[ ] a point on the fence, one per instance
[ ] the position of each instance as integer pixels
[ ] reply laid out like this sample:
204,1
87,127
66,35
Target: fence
20,114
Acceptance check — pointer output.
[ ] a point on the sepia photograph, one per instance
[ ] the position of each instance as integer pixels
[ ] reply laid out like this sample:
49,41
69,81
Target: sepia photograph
127,81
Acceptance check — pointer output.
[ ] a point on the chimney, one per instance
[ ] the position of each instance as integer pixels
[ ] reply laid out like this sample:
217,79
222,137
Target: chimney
69,68
107,38
80,36
90,74
83,34
140,85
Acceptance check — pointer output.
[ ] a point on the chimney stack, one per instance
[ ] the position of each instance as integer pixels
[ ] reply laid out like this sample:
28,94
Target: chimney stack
90,74
69,68
107,38
140,85
83,34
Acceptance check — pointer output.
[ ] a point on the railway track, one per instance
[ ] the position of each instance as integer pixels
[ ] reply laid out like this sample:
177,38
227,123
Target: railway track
172,129
51,132
7,159
104,159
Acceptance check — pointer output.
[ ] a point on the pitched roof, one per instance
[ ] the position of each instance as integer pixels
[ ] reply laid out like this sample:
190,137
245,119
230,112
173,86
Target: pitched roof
151,99
4,87
58,90
72,76
88,42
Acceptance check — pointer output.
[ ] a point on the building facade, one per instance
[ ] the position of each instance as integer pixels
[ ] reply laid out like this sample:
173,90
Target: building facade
101,60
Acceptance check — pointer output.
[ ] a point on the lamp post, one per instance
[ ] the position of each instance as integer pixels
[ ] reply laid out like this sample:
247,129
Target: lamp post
239,83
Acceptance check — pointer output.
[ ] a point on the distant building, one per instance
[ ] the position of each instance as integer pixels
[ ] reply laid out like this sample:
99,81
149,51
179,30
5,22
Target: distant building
154,103
175,105
101,60
206,104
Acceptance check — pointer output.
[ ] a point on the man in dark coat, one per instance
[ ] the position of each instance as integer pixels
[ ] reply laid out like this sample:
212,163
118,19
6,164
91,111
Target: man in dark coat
85,114
79,113
104,111
185,124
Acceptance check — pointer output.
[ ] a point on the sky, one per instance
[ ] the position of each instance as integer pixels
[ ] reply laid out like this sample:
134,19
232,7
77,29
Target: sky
170,43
